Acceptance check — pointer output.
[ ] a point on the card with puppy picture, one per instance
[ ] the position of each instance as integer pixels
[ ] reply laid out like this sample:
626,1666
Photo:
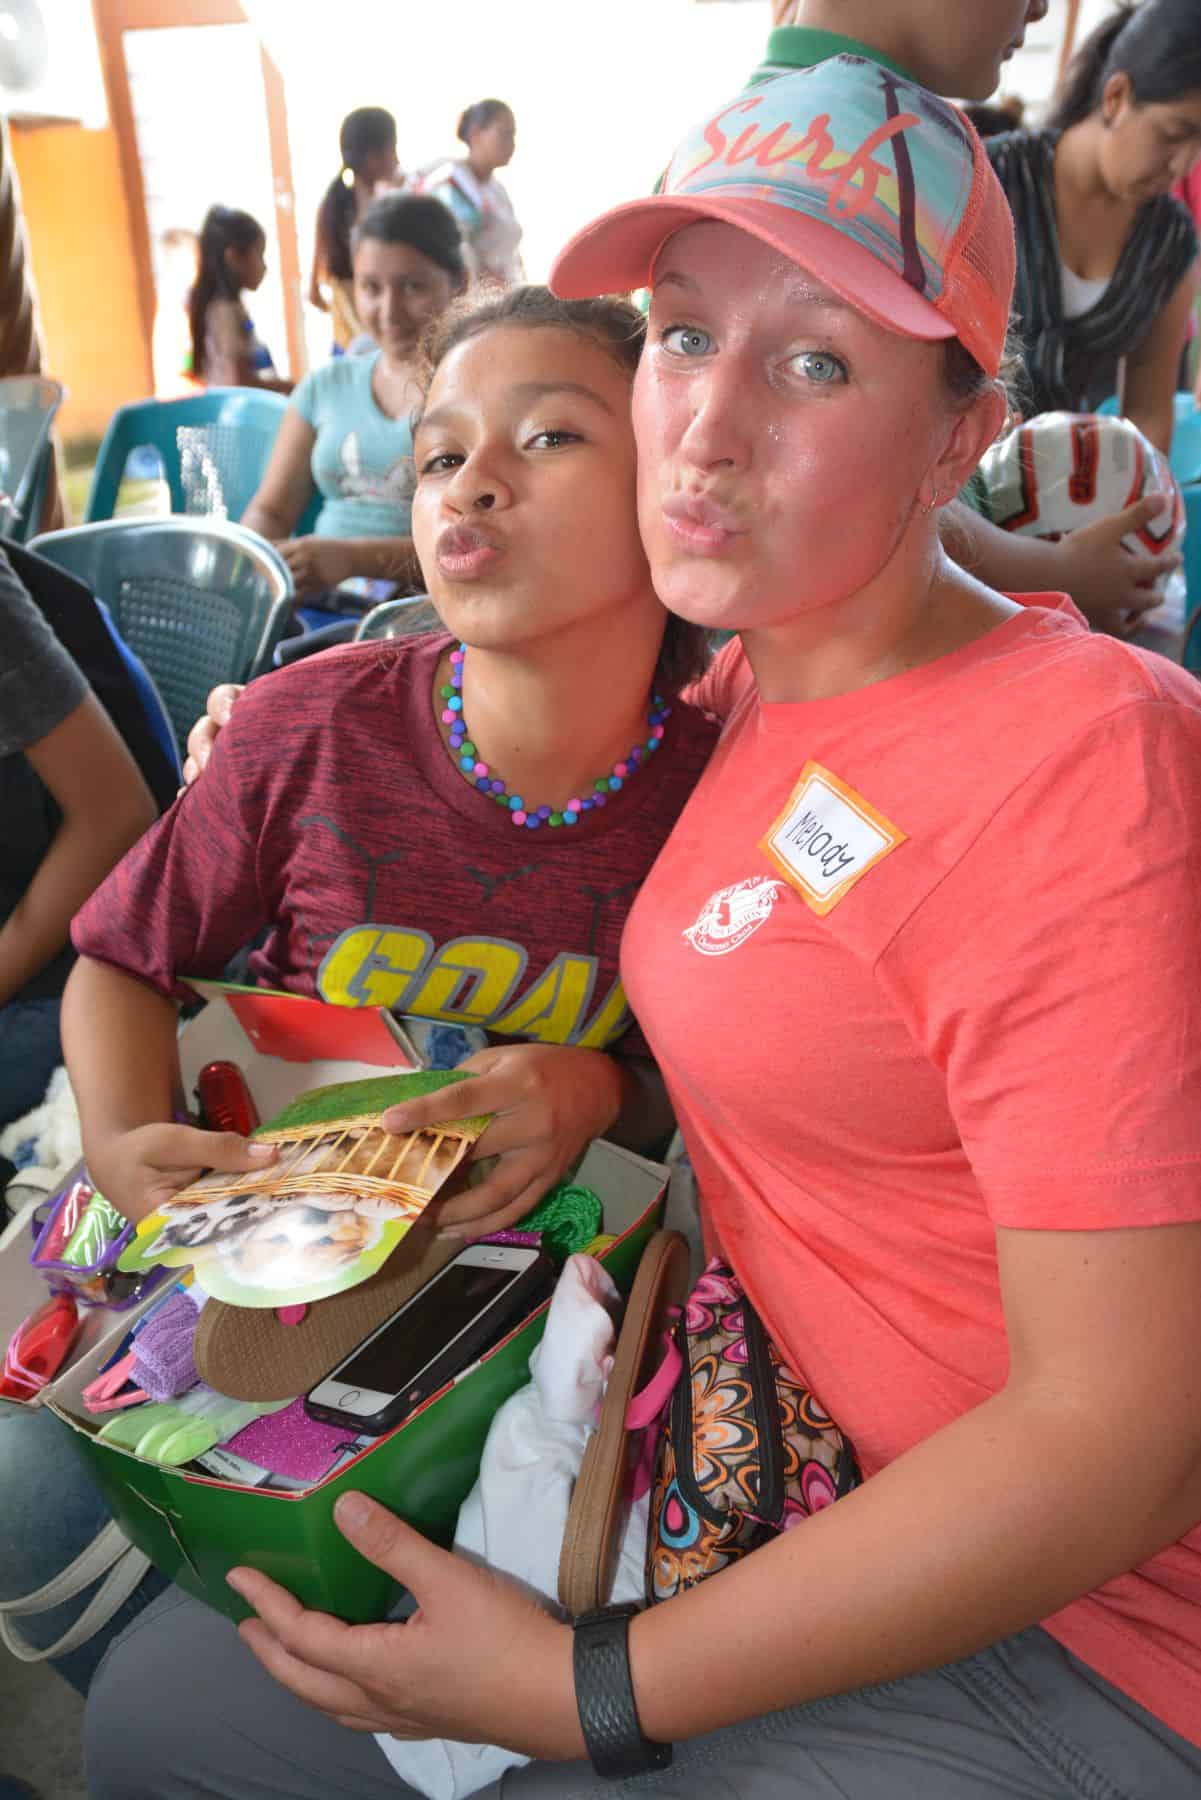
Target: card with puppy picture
327,1212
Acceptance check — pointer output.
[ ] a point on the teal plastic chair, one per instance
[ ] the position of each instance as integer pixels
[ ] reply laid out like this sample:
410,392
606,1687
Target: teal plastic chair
213,448
199,600
398,618
28,404
1186,442
1190,653
1185,460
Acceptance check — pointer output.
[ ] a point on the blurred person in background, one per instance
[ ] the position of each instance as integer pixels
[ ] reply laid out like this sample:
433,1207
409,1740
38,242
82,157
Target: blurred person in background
73,801
226,349
1105,255
347,434
991,118
955,50
367,141
491,233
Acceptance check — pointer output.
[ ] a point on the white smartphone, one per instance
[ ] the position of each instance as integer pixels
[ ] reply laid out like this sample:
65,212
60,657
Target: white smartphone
433,1337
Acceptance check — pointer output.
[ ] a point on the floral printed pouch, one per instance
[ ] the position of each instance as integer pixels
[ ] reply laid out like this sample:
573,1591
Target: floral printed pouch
746,1450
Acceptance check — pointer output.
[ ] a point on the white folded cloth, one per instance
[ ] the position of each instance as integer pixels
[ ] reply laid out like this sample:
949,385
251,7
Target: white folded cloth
515,1516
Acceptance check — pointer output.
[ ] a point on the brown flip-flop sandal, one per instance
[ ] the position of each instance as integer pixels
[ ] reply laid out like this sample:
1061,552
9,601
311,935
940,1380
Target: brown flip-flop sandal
250,1354
600,1501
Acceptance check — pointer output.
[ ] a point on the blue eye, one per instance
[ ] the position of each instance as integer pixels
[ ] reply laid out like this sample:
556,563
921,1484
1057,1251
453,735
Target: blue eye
819,367
686,340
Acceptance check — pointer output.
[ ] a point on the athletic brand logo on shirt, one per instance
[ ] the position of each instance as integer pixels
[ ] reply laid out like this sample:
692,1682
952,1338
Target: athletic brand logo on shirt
473,981
729,916
827,838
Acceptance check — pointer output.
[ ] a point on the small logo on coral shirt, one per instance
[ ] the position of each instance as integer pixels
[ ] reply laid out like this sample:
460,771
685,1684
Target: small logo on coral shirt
827,838
729,916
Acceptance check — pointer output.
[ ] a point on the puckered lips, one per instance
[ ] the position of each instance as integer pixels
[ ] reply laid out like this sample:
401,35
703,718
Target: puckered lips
465,551
701,524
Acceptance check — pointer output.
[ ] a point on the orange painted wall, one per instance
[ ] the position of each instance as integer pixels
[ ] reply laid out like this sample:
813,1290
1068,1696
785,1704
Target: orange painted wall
77,224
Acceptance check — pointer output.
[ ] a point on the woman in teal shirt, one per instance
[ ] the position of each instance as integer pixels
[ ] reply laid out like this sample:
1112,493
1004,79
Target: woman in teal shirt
346,434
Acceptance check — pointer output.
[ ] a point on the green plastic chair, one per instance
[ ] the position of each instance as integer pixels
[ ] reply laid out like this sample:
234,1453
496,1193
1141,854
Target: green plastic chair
199,600
213,448
398,618
28,404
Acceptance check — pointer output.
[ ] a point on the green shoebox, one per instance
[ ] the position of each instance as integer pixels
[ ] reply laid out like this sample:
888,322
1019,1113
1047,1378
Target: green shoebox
196,1528
283,1043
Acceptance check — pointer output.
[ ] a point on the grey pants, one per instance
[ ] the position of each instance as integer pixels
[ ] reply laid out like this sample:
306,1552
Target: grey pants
181,1709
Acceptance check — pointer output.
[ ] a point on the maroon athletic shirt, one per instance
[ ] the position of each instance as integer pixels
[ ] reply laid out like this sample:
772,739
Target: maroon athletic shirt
332,813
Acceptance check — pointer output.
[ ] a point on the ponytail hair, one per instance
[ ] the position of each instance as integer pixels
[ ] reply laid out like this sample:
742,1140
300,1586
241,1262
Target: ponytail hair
335,222
224,228
1156,45
479,117
364,131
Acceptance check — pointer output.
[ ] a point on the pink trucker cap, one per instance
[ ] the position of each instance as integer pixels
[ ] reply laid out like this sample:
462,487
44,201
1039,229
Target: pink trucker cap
865,180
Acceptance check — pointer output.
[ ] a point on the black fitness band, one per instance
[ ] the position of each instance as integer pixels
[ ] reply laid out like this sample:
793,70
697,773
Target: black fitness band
604,1695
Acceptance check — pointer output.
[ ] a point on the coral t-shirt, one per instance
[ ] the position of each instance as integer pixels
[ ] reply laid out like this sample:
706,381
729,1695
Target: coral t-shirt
331,812
919,962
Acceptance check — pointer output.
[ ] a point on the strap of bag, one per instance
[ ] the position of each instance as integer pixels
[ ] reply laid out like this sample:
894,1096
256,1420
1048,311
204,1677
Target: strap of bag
25,1193
111,1555
44,1181
648,1408
601,1497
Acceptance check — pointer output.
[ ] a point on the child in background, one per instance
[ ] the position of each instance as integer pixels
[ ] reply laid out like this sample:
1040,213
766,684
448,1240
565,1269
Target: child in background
367,142
226,350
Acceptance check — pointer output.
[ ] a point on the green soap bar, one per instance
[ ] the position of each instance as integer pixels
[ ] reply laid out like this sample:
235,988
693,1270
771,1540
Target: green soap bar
98,1229
126,1429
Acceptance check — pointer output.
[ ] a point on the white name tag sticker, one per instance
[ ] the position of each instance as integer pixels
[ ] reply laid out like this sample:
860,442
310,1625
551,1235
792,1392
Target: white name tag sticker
827,838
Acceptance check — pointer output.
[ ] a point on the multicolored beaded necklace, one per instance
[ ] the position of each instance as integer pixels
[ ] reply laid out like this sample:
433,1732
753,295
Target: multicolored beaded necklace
482,777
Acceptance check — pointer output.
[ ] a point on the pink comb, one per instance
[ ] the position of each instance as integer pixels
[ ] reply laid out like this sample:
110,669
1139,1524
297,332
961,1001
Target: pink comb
101,1395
